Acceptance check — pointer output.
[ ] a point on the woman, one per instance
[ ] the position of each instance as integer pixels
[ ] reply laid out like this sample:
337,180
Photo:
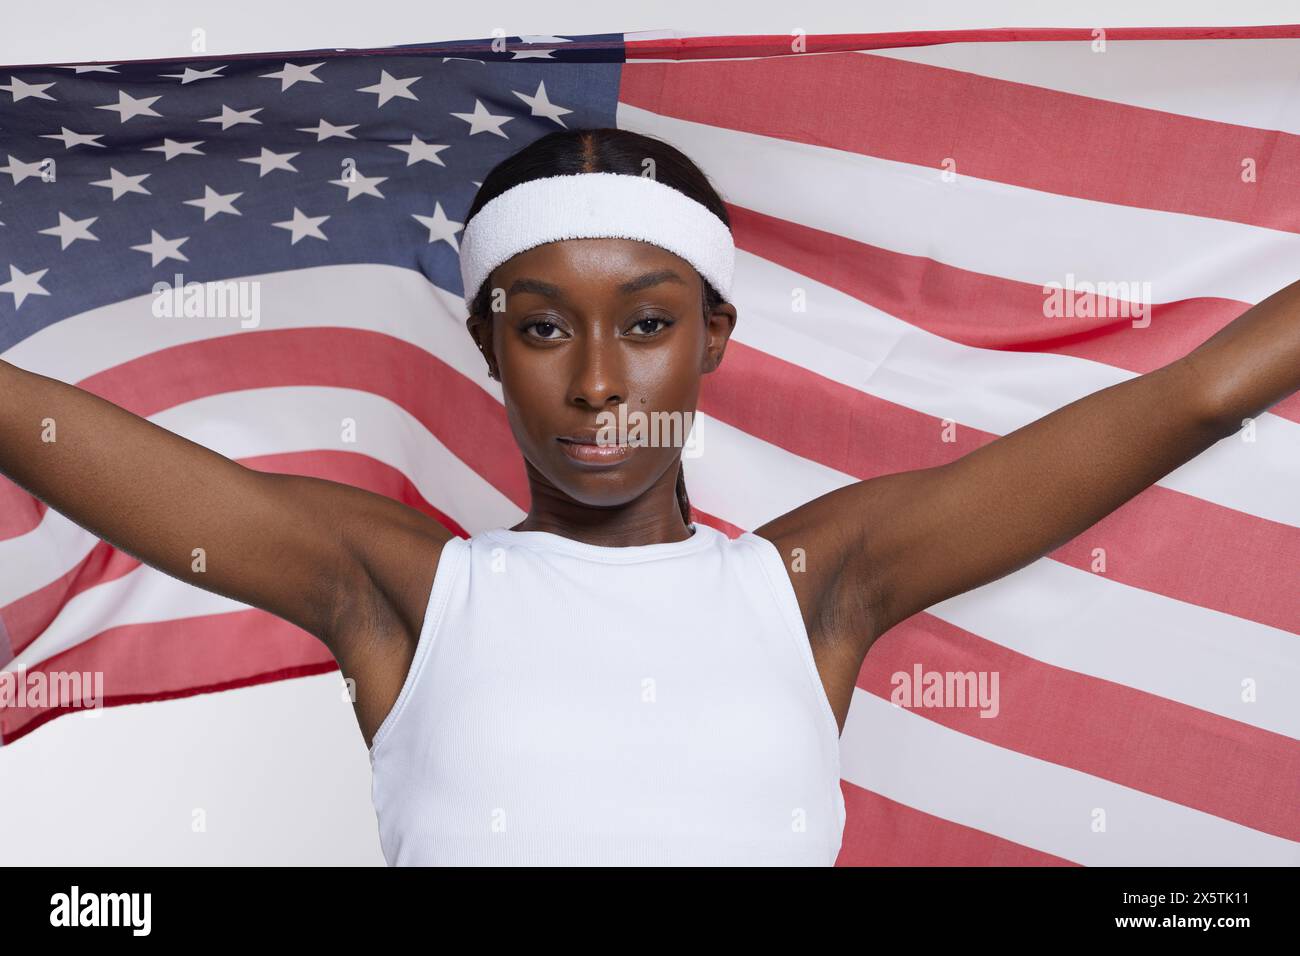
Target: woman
607,682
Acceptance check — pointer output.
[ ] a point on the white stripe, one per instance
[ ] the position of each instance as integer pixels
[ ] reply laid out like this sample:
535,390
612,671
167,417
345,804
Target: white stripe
748,481
393,300
981,225
289,419
1240,81
921,764
855,344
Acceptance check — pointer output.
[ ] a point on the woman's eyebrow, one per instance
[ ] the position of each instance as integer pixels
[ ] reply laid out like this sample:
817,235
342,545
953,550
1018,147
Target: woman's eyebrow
552,291
649,279
535,285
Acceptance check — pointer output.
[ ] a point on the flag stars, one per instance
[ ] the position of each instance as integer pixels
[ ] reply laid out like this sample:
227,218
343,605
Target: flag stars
481,121
21,90
325,130
231,117
122,184
269,161
92,68
303,225
170,149
541,106
214,202
192,75
358,185
20,170
70,230
128,107
71,139
292,74
440,227
417,150
160,249
22,284
390,87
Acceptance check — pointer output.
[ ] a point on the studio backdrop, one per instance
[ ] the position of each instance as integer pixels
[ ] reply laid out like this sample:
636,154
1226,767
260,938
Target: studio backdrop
942,237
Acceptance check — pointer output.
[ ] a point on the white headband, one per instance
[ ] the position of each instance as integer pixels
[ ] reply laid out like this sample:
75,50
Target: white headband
595,206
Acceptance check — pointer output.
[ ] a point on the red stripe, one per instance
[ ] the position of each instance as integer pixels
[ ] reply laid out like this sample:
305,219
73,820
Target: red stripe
938,298
993,129
779,44
767,398
19,511
167,659
1089,724
880,832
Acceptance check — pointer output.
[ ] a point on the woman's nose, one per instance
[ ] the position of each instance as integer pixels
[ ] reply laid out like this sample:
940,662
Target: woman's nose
598,378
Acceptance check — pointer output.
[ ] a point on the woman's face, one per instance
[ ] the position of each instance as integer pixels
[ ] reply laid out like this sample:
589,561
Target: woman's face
589,325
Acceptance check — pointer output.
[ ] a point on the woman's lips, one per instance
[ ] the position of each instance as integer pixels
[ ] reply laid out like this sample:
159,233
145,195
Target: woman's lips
592,454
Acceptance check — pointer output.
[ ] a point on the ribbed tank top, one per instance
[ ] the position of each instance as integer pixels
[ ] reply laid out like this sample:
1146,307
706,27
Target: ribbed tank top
576,704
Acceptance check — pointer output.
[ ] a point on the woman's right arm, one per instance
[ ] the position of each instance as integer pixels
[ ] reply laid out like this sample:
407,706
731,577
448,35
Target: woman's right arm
346,565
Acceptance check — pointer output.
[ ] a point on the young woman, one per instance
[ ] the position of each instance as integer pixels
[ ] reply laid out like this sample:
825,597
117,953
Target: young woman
606,682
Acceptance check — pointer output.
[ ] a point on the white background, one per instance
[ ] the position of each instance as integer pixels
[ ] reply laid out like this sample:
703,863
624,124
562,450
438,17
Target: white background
280,771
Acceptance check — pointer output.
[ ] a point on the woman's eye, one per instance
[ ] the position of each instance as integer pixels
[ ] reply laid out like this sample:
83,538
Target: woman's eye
544,329
647,325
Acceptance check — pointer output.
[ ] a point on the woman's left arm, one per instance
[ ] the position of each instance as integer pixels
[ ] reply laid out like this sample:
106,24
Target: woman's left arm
912,539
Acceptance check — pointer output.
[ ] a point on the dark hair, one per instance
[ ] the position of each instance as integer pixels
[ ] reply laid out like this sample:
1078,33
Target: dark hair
604,150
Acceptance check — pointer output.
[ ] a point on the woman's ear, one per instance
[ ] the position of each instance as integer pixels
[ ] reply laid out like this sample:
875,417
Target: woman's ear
718,328
480,331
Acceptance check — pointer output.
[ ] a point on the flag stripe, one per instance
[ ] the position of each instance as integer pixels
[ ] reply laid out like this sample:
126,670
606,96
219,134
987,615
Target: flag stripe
981,225
1094,735
993,391
1054,809
1198,78
1011,313
158,660
1012,133
882,832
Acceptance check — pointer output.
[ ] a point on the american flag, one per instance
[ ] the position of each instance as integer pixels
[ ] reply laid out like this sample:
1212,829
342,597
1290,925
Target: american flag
905,208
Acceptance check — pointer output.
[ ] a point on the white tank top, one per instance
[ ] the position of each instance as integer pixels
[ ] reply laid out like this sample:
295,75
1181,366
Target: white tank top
575,704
